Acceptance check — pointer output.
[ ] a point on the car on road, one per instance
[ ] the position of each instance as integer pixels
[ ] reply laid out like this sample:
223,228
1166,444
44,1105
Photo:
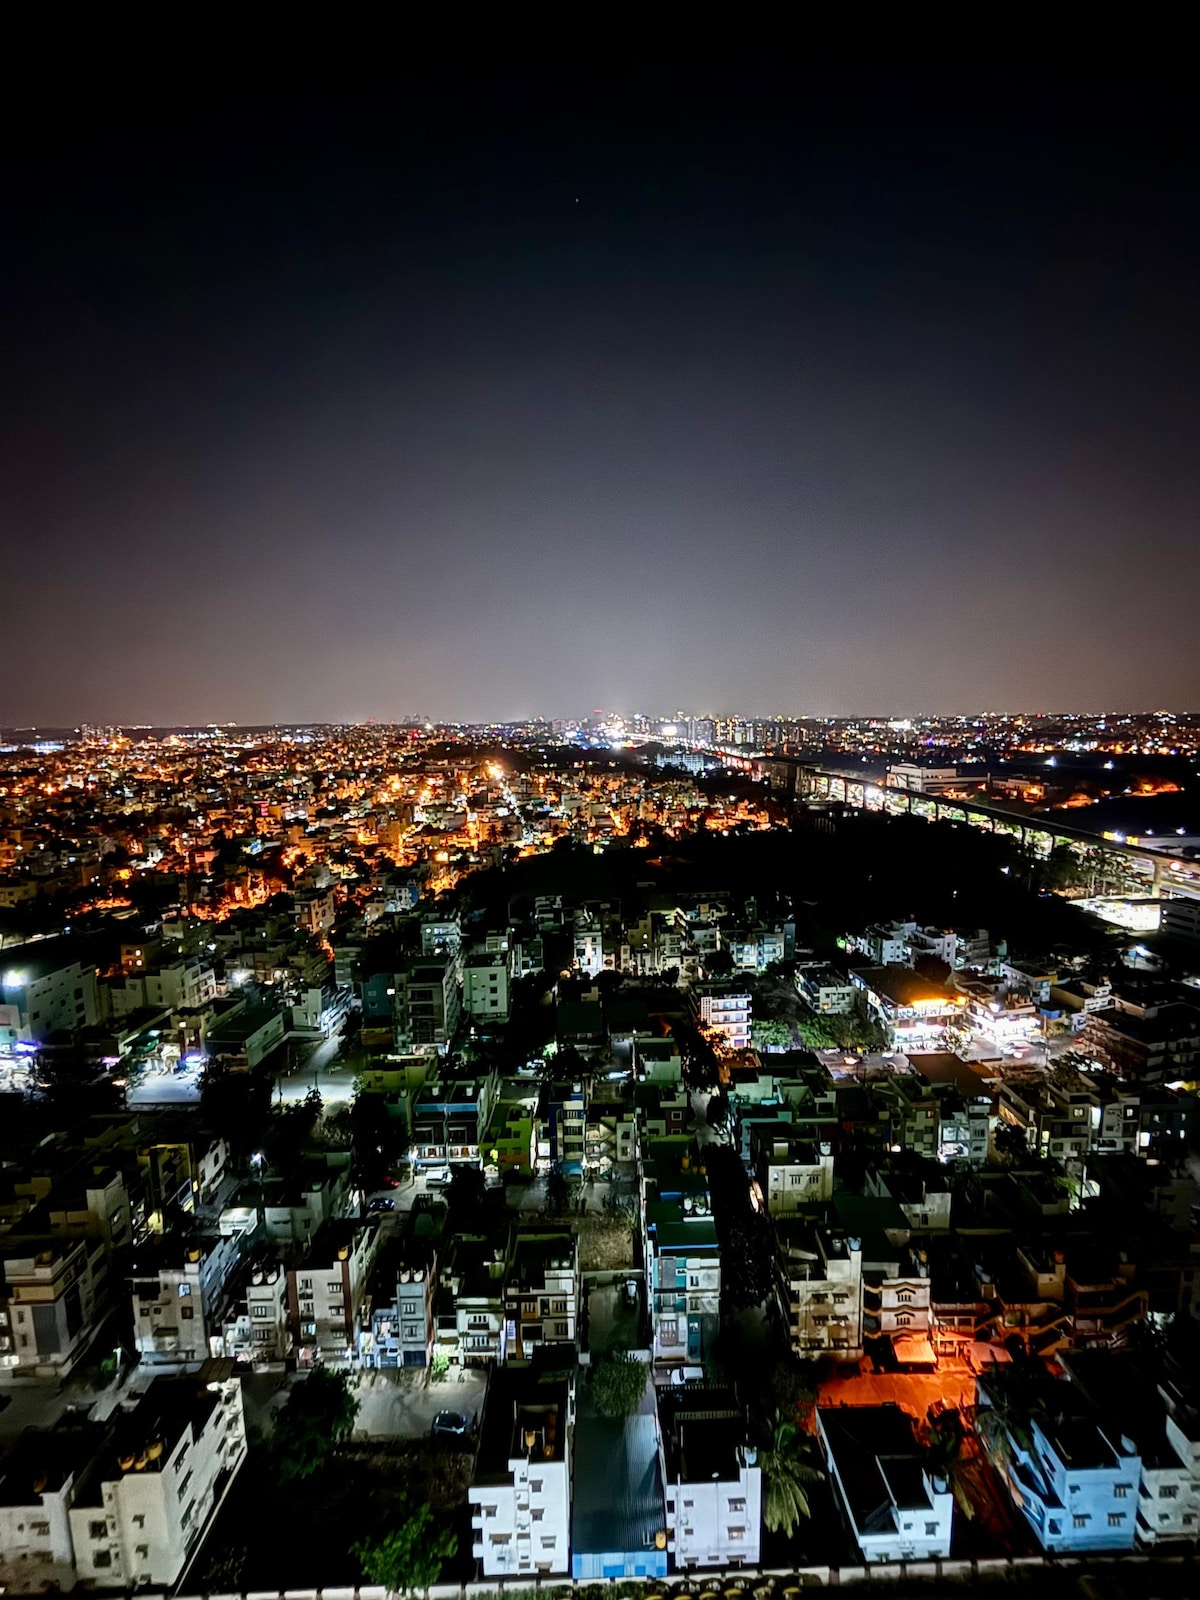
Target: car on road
381,1203
451,1425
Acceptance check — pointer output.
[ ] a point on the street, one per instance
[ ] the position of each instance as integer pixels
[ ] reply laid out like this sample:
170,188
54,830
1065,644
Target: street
333,1078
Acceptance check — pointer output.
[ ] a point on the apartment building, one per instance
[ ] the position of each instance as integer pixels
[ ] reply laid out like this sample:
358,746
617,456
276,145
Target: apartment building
541,1294
520,1493
326,1291
470,1309
726,1011
256,1325
792,1172
1074,1478
39,1477
898,1508
425,1004
711,1478
53,1292
825,991
44,989
177,1287
819,1281
485,987
154,1489
401,1325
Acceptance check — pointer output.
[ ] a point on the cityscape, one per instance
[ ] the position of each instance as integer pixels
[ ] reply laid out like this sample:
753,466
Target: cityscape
635,1148
599,813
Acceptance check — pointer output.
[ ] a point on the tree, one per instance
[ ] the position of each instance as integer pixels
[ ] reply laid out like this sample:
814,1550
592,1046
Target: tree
466,1198
618,1384
785,1472
1011,1142
771,1033
410,1557
559,1191
319,1414
378,1139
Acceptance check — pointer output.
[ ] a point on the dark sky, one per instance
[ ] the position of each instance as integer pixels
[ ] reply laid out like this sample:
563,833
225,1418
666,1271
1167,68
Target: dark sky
480,393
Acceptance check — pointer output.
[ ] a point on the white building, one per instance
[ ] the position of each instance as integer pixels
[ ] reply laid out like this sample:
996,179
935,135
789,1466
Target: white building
520,1494
897,1509
177,1285
820,1286
792,1172
57,1289
485,987
712,1483
728,1013
256,1325
825,991
156,1486
38,1481
42,992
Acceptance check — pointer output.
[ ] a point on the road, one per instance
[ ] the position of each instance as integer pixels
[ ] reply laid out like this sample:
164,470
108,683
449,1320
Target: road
405,1402
334,1078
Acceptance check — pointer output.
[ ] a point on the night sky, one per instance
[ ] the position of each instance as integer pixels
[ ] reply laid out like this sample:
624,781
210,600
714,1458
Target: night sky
482,395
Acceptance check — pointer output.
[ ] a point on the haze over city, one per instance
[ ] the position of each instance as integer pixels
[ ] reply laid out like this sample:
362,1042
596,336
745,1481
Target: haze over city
799,391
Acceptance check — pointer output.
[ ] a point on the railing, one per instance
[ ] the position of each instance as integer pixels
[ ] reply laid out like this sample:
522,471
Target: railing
752,1584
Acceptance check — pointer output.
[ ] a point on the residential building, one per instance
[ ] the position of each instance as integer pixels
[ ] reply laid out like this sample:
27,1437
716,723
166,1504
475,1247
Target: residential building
562,1126
509,1139
39,1478
400,1327
711,1477
450,1118
898,1508
726,1011
825,991
541,1294
520,1493
54,1292
469,1308
425,1005
326,1290
485,987
792,1173
154,1490
1155,1408
819,1277
1073,1476
44,989
683,1265
178,1285
256,1326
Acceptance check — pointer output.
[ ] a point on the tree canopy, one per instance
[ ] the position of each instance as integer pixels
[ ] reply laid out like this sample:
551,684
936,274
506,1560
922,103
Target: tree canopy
618,1384
785,1471
410,1557
319,1414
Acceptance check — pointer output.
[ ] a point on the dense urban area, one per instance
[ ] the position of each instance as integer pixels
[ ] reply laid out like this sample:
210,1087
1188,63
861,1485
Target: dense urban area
715,1154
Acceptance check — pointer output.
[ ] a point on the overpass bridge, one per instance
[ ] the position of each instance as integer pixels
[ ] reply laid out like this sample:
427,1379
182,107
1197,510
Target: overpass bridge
1147,870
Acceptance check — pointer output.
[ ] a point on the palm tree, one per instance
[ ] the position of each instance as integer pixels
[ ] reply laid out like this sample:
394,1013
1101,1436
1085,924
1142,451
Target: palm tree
1014,1400
785,1471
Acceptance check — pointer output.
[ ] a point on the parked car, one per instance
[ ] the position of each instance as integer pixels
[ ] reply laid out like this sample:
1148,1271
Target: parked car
451,1424
381,1204
435,1176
